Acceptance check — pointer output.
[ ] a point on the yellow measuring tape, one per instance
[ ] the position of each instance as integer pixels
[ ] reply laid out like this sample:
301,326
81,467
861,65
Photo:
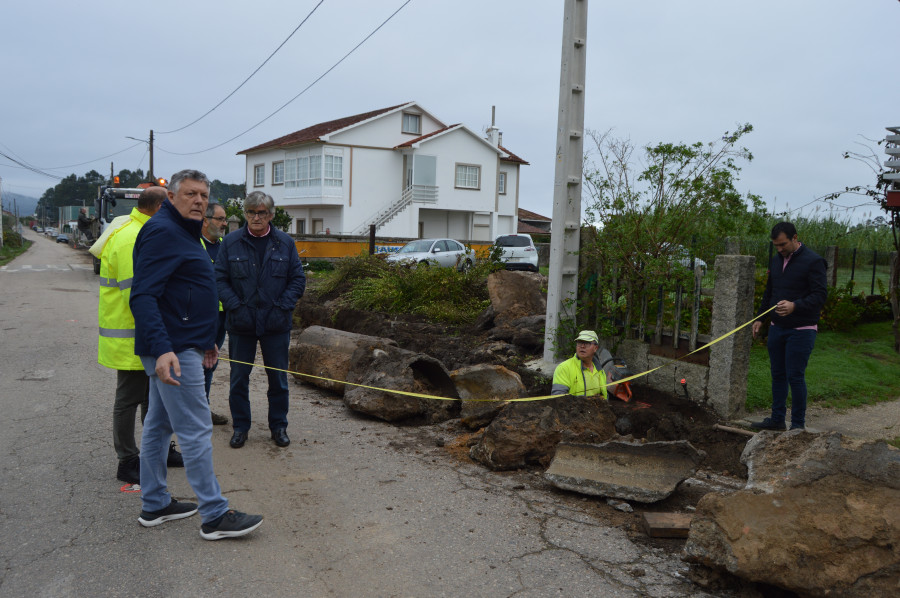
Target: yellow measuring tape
521,400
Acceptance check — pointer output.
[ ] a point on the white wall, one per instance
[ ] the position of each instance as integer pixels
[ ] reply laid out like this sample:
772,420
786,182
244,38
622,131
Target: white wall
385,131
373,178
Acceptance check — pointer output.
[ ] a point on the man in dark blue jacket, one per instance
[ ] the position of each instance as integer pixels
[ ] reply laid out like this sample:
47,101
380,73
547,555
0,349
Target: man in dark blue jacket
175,306
797,287
260,279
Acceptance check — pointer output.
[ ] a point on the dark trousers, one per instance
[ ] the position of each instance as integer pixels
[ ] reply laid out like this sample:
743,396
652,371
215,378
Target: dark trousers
275,354
132,390
220,340
789,352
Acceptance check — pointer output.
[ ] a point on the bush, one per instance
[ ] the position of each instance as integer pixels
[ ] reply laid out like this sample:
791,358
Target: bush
320,266
842,311
437,294
12,239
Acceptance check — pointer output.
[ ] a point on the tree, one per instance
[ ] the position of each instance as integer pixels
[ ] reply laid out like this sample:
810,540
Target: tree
72,191
235,207
683,198
219,191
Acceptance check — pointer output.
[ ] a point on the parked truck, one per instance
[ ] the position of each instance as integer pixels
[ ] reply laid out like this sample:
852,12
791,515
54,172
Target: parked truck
113,202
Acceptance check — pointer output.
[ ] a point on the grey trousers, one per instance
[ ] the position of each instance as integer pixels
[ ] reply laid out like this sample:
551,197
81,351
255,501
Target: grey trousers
132,390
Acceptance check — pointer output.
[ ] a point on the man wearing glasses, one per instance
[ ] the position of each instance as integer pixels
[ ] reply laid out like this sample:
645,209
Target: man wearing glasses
260,279
214,226
581,375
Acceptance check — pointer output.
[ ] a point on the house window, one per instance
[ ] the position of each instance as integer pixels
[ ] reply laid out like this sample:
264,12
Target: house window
412,123
300,226
278,173
501,184
305,171
259,175
468,176
334,170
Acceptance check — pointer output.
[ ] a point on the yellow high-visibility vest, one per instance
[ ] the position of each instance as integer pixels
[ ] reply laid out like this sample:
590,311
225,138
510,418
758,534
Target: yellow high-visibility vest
115,348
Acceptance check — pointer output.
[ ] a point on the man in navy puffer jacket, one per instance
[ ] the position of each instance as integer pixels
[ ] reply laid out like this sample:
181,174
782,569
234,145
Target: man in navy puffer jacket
260,279
797,287
175,307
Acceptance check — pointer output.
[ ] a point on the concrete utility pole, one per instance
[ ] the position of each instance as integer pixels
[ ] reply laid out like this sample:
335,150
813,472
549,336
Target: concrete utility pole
1,212
564,238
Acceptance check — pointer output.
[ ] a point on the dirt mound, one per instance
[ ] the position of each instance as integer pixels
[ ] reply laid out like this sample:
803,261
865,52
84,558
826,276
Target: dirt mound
651,414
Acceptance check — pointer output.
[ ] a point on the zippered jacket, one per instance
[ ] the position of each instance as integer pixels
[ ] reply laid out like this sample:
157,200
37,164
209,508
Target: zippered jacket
803,281
115,346
570,378
259,298
173,297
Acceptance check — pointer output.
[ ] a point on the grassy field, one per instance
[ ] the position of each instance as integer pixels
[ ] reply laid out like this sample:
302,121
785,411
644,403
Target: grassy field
7,253
846,369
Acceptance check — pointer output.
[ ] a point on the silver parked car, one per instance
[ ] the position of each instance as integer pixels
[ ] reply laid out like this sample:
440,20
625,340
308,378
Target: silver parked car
518,252
438,252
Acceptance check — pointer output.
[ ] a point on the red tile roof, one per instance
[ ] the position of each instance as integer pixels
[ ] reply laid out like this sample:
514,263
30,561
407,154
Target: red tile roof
313,133
512,157
526,215
531,230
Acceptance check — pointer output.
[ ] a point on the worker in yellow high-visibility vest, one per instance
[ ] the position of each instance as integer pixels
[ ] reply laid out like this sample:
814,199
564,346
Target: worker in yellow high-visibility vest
115,348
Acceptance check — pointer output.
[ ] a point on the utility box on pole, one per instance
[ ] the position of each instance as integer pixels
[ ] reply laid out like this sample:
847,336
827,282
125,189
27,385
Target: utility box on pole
562,287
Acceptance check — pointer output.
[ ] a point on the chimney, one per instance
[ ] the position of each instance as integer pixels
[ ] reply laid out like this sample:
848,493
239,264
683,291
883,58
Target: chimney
493,133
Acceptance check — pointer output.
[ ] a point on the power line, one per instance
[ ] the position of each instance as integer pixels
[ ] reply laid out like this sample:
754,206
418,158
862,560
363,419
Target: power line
70,165
286,104
31,168
208,112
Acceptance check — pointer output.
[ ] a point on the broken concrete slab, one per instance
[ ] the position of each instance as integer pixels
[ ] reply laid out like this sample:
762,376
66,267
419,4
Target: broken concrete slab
391,368
485,389
643,472
819,517
329,353
528,433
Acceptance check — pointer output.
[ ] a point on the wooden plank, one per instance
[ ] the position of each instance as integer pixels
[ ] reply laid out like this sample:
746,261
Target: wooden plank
667,525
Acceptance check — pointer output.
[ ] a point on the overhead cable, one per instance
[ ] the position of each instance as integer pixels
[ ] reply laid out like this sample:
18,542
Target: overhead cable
208,112
72,165
31,168
286,104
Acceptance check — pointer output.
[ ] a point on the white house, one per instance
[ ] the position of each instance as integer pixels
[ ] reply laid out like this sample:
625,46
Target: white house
399,168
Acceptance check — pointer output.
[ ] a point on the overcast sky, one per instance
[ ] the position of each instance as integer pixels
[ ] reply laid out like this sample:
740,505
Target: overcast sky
812,76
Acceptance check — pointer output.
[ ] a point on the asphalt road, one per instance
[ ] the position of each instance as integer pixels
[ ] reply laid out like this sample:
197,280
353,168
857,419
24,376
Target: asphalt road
354,507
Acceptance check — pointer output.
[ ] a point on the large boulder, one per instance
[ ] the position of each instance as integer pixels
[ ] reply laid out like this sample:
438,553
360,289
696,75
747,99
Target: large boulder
819,517
323,356
515,295
378,372
484,390
527,433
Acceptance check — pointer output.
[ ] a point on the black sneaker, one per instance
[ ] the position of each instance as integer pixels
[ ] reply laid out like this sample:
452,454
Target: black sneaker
129,471
174,459
218,420
768,424
230,525
175,510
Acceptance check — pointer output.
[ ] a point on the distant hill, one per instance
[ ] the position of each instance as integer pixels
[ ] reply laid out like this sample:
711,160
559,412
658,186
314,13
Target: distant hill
25,204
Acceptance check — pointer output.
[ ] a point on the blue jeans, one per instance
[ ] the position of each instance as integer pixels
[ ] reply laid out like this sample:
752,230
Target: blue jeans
789,352
183,410
220,340
275,349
